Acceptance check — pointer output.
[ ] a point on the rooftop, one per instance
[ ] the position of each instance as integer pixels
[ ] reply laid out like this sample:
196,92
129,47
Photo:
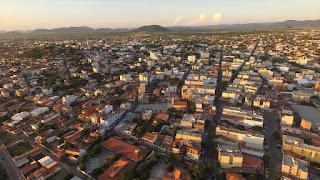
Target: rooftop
131,151
115,170
308,113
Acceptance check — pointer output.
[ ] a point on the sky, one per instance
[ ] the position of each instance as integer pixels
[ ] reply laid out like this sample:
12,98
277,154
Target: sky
33,14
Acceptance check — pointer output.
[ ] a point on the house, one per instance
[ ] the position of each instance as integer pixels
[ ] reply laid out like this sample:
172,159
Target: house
229,156
297,146
28,168
77,152
190,136
287,120
67,100
234,176
244,137
126,149
150,137
294,167
179,105
193,151
109,120
178,174
20,116
115,170
73,136
147,115
125,77
162,117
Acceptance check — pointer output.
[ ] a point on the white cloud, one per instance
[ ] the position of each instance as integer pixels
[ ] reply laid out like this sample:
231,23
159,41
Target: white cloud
204,20
177,20
217,17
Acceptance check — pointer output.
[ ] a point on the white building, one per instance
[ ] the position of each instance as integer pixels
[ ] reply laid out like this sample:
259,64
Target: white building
125,77
20,116
68,99
192,58
205,55
287,120
154,55
108,120
144,77
147,115
47,91
39,111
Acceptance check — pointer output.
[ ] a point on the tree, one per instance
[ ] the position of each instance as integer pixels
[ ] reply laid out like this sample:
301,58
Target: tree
82,167
252,177
129,174
96,172
197,171
85,132
61,140
169,167
276,135
96,149
277,176
266,161
192,108
68,176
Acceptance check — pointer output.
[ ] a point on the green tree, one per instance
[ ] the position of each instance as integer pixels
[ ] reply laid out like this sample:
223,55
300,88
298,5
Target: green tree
169,167
96,149
252,177
277,176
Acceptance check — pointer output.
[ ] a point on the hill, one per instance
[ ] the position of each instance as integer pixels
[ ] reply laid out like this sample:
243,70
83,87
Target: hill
285,24
70,30
152,28
157,28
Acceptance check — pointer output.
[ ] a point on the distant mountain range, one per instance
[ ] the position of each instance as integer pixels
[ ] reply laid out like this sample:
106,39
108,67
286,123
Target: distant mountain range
285,24
157,28
152,28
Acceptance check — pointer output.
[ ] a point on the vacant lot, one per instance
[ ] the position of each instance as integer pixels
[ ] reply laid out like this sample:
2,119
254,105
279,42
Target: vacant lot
98,160
59,175
158,171
19,149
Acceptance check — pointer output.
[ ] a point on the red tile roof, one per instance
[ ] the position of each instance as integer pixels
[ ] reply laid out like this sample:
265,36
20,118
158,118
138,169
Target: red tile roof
180,103
162,116
73,136
25,170
251,162
131,151
233,176
149,136
115,170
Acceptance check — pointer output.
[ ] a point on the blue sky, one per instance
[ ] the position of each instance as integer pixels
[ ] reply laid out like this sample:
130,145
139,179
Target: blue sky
32,14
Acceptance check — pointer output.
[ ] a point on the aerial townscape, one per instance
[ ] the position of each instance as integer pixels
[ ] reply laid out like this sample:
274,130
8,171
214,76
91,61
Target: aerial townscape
194,101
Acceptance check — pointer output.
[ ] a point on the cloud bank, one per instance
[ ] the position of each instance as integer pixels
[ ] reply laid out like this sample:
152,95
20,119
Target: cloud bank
204,19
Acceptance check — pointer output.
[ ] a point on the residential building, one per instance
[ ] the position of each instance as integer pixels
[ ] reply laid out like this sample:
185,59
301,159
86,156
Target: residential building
229,156
294,167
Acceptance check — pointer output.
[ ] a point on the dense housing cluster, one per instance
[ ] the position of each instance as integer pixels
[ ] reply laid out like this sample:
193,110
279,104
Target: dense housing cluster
204,106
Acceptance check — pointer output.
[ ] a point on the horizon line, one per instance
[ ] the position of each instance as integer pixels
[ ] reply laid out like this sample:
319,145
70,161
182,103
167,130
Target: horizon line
170,26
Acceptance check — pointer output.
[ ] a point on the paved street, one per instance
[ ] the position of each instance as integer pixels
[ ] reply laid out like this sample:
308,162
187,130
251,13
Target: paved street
13,171
270,120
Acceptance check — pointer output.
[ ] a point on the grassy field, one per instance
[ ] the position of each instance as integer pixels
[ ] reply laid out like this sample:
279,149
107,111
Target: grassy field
19,149
39,156
62,174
